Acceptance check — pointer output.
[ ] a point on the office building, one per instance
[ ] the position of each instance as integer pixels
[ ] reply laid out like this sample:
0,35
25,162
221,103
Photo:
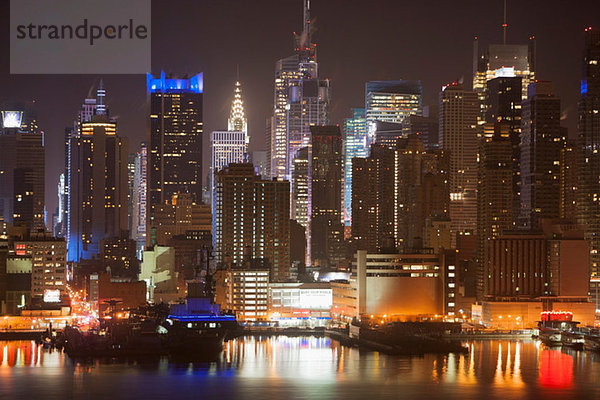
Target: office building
301,100
325,190
140,201
300,199
175,158
259,159
230,146
22,162
49,265
458,114
98,187
177,217
354,146
541,146
502,61
391,101
588,190
251,220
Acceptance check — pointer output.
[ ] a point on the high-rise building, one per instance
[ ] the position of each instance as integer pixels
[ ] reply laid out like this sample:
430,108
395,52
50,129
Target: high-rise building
140,202
365,204
568,180
325,190
355,137
301,100
175,158
503,104
252,219
177,217
588,190
494,202
502,60
541,146
391,101
458,114
22,184
300,204
98,186
226,147
427,127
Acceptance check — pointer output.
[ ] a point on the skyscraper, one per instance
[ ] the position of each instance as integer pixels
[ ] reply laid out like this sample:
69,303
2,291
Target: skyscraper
300,204
391,101
251,220
354,146
458,114
503,104
300,100
226,147
175,159
98,185
22,184
588,190
325,190
140,202
541,146
502,60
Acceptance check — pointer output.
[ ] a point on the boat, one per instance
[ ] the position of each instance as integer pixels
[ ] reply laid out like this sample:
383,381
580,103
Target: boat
552,324
591,340
196,327
573,339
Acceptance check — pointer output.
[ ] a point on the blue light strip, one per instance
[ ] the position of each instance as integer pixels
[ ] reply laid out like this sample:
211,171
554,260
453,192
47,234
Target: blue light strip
195,84
203,318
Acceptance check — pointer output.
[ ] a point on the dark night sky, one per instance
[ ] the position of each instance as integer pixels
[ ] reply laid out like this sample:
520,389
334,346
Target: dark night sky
357,41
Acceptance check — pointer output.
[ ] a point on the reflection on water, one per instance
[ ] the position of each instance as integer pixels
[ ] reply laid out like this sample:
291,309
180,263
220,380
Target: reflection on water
307,367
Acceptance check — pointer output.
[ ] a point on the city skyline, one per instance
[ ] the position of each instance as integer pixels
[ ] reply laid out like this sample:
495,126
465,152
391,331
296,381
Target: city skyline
557,60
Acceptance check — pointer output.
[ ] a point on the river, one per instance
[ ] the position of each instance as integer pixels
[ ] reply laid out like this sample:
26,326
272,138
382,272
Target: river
307,368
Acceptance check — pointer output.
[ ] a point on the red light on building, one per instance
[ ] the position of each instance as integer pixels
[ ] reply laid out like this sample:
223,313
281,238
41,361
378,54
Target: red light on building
556,316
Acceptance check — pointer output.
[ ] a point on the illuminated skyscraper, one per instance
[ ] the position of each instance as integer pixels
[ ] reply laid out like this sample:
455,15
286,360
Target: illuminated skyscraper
354,143
300,188
22,167
300,101
175,159
458,114
230,146
251,220
98,188
391,101
140,202
588,190
502,61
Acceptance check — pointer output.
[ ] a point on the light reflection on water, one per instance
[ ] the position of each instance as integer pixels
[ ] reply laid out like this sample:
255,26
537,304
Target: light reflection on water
307,367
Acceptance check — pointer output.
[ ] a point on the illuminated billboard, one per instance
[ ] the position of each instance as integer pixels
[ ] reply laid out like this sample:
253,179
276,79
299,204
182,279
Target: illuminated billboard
11,119
51,296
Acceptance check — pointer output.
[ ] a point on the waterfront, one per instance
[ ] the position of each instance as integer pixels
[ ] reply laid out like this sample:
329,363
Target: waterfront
307,367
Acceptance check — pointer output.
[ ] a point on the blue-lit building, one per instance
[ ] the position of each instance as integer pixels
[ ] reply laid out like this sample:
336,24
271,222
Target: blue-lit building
97,179
355,145
175,156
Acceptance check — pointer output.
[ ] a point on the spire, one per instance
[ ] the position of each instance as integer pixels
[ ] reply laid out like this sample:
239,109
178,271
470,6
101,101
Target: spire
504,24
100,94
237,120
306,32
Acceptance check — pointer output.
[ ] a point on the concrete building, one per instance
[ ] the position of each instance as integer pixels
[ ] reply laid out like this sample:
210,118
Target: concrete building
300,304
181,214
400,286
244,292
159,273
354,143
252,220
125,294
49,265
459,110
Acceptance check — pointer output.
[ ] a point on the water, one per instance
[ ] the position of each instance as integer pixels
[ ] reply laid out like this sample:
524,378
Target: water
307,368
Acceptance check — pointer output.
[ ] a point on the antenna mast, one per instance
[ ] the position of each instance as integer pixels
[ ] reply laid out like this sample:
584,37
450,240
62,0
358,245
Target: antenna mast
504,25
